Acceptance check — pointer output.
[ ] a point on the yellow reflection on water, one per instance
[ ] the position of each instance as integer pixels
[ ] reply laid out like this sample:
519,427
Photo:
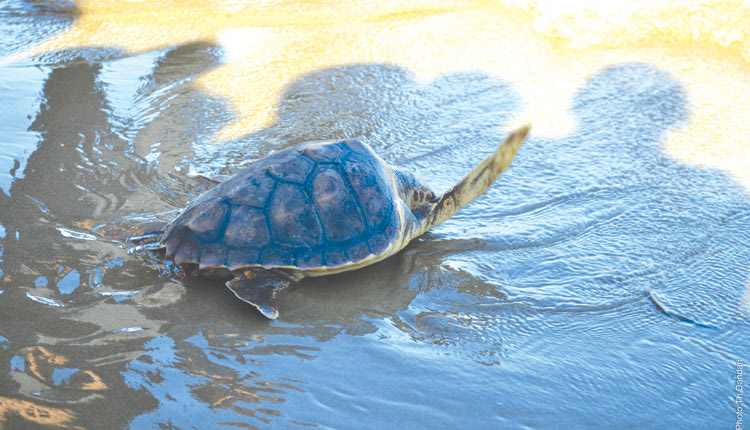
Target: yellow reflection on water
37,414
545,48
42,362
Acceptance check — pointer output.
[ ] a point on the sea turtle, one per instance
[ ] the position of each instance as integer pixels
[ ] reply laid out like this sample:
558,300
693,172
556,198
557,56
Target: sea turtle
313,209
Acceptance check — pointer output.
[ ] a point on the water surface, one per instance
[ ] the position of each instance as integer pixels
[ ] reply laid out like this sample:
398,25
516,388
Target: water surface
600,283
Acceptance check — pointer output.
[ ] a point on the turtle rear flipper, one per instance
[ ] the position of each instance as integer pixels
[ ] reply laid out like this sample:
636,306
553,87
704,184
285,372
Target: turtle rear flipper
474,184
259,290
215,179
148,236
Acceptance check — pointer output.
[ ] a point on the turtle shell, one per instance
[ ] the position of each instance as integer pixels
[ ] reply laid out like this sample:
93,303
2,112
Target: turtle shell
314,206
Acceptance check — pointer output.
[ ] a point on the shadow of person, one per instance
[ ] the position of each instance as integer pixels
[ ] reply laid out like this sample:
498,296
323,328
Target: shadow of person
623,267
58,181
603,217
86,164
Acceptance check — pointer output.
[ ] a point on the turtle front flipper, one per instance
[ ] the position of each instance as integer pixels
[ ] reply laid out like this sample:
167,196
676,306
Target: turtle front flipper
473,185
259,289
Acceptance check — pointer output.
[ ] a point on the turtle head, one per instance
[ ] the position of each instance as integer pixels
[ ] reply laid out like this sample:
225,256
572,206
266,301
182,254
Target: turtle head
412,190
471,187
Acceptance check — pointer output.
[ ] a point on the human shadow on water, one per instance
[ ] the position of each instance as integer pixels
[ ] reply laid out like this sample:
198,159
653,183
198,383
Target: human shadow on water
60,283
624,268
604,221
629,219
90,165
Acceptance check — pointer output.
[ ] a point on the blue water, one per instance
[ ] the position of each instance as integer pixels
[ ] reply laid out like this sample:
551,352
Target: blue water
600,283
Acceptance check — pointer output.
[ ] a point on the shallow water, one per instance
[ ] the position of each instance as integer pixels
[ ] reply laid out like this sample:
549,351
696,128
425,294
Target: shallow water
602,282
